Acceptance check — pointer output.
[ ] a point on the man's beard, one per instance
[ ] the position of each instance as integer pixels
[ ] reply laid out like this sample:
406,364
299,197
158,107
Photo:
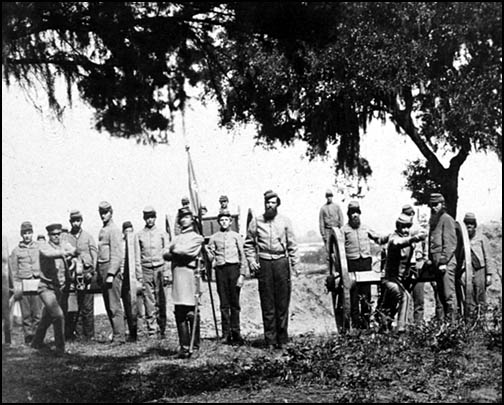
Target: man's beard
270,213
355,222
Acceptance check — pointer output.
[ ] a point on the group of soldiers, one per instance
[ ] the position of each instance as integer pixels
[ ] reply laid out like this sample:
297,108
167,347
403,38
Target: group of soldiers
432,250
268,253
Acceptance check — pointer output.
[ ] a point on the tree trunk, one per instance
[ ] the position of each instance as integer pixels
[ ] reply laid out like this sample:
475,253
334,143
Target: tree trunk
448,180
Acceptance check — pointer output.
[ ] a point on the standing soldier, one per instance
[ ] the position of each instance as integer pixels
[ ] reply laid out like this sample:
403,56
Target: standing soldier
6,283
483,268
442,246
185,204
150,243
110,256
330,216
395,296
270,236
224,202
357,237
88,256
25,265
54,257
183,252
226,247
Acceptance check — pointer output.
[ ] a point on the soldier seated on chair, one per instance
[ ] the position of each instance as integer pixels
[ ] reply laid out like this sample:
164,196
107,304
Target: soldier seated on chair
394,295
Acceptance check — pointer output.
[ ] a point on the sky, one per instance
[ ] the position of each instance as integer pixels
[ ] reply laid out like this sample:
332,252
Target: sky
50,168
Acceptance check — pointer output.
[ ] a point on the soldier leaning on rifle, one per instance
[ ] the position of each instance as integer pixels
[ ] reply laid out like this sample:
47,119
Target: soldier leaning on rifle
226,247
483,267
330,216
357,239
6,283
270,236
442,246
394,297
53,256
183,253
25,265
88,256
150,243
110,256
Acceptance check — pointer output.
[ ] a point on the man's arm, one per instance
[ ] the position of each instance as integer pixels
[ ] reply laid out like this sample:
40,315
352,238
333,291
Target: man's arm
449,240
116,252
321,223
250,245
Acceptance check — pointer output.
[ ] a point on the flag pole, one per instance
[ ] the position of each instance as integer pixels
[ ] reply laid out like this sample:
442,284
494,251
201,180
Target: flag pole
193,194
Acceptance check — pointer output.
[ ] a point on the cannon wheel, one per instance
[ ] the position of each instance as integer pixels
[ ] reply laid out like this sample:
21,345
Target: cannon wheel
468,298
338,267
129,270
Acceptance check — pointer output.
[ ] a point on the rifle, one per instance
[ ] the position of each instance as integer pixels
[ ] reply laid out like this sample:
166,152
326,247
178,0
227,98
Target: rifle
197,294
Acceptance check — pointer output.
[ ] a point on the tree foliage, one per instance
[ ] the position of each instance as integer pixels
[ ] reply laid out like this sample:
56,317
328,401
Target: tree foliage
312,71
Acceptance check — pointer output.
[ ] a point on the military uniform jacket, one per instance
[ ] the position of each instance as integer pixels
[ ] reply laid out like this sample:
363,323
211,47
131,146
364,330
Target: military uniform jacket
52,265
24,261
110,249
479,252
358,241
273,240
330,216
442,240
227,248
86,246
399,256
150,244
183,252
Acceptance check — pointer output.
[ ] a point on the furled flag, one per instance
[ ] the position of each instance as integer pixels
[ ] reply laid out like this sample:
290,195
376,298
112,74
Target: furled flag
193,185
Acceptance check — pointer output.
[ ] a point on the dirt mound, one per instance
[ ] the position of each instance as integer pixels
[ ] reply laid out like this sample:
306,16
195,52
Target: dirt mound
310,307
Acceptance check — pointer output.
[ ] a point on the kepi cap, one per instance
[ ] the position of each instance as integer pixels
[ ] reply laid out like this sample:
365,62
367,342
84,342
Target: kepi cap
53,227
223,198
405,219
126,225
470,218
408,210
436,198
329,193
149,210
184,200
104,206
26,226
224,213
182,212
75,214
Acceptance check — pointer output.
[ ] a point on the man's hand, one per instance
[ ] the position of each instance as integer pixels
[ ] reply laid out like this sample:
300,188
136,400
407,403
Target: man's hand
167,281
442,268
240,281
69,249
140,287
88,277
18,292
488,280
254,269
421,235
109,280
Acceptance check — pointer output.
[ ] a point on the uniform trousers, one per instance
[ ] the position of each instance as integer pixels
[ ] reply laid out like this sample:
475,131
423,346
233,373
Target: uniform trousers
274,293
